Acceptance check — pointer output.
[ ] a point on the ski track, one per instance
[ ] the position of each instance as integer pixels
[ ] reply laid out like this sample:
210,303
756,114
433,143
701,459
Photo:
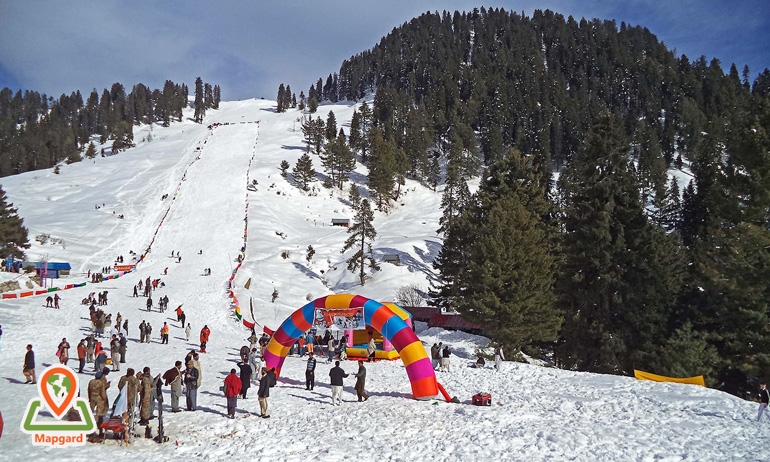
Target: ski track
537,413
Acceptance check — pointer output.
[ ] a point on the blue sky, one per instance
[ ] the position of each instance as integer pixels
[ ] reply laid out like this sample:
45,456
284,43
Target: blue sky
248,47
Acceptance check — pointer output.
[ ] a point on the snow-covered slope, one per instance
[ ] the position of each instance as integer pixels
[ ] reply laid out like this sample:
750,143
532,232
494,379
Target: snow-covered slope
538,413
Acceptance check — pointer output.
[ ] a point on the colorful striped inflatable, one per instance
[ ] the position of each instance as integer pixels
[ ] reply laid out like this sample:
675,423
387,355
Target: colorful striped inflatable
378,316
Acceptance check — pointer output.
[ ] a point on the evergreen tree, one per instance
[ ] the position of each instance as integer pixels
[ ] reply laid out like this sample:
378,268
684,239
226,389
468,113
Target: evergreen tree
366,126
13,234
511,268
280,98
314,134
354,196
90,151
360,237
284,167
331,126
382,170
338,161
303,172
312,105
200,105
621,274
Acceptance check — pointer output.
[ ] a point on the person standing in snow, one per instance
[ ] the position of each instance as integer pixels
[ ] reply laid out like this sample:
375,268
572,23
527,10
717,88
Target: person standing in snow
361,382
264,393
330,349
173,377
64,351
82,351
246,372
310,372
187,331
764,398
435,355
29,366
232,390
164,333
371,349
191,378
205,334
254,362
114,353
123,342
445,354
337,374
499,357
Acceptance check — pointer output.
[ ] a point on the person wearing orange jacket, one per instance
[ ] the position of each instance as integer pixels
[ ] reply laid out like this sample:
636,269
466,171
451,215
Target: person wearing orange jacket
164,333
232,390
205,333
82,351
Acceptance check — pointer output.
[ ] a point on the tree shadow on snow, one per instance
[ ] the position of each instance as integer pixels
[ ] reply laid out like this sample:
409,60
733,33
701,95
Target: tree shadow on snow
306,271
312,399
293,148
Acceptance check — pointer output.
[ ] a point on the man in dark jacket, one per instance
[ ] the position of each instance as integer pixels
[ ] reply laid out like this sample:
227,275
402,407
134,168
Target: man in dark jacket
310,372
264,393
245,378
123,345
191,384
29,366
337,374
435,355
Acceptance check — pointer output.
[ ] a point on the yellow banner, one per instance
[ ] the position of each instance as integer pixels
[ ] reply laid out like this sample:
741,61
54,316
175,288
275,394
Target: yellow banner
697,380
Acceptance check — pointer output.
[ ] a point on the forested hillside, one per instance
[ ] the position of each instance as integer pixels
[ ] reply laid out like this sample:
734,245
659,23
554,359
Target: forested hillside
38,131
615,267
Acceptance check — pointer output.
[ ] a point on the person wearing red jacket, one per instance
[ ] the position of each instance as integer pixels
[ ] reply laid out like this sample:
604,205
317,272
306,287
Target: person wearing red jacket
205,333
232,390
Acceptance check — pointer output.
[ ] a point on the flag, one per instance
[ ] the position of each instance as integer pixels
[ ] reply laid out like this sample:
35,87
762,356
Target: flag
248,283
120,405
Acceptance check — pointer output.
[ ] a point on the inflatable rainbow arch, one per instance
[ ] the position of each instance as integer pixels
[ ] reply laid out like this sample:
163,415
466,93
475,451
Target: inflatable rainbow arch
411,350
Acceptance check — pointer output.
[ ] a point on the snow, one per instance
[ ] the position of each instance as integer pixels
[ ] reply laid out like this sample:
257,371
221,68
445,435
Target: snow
538,413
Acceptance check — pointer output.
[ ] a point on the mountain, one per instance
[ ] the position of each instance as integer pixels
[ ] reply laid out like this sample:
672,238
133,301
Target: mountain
538,413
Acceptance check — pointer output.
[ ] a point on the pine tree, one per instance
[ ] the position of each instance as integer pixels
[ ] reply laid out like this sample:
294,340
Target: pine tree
338,161
279,99
13,234
366,126
621,274
354,196
284,167
200,106
360,237
303,172
331,126
382,170
90,151
312,105
314,134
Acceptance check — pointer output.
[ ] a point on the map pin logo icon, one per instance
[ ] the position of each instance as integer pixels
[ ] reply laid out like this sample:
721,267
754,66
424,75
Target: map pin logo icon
58,386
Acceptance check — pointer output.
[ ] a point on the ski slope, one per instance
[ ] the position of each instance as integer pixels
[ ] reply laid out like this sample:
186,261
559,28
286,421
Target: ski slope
538,413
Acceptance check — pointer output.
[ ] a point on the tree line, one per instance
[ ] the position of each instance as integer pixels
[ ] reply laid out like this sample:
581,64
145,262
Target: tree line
38,131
